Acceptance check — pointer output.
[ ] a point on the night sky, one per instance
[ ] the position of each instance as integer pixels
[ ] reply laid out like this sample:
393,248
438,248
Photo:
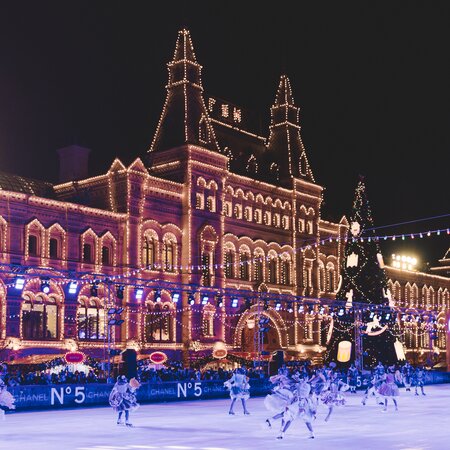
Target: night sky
372,80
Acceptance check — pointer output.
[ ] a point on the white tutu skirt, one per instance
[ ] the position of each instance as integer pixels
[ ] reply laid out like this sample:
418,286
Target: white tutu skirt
239,393
278,401
7,399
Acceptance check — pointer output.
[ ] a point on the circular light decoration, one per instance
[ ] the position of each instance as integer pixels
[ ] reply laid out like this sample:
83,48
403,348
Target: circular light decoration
158,357
74,357
219,350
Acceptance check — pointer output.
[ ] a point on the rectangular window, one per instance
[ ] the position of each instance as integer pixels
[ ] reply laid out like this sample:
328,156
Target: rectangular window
87,253
53,248
32,245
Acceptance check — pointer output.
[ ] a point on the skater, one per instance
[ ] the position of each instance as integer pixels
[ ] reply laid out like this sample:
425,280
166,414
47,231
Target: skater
333,397
389,389
239,388
373,388
419,378
123,399
6,400
380,370
302,407
280,397
407,372
352,378
318,384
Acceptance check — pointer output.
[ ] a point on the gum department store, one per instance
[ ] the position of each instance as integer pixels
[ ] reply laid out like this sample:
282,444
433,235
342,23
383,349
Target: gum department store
217,209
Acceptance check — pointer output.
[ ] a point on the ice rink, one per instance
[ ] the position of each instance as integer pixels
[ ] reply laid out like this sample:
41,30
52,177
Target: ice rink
422,422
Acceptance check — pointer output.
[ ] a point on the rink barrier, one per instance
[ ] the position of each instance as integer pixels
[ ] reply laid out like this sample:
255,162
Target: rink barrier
73,395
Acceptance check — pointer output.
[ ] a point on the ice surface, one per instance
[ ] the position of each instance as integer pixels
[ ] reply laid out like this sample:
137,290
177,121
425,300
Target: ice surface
422,422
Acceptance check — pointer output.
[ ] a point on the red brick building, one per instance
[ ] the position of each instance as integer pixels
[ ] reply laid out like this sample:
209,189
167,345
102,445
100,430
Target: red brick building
216,209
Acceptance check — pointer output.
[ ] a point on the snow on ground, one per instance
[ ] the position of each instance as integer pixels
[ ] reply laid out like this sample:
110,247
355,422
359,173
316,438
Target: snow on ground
422,422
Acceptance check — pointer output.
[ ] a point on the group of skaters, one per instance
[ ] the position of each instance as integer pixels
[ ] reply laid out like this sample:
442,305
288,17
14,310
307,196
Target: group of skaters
297,394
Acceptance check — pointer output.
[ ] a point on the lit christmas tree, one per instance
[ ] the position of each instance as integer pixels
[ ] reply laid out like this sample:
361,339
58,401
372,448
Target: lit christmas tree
363,287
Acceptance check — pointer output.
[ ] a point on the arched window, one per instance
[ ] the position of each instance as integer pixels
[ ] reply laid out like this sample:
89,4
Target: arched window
211,203
258,216
54,248
244,266
33,245
149,252
227,209
199,200
87,253
229,263
286,272
159,323
39,320
91,322
208,321
258,268
169,253
272,270
206,268
106,256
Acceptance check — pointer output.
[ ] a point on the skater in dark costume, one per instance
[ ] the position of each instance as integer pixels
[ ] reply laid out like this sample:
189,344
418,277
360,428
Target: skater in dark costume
419,379
407,372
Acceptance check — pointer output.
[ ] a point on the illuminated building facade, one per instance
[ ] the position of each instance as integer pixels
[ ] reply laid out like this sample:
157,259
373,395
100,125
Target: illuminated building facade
215,209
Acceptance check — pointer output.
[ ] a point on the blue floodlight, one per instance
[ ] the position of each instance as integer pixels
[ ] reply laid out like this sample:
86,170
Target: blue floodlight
45,286
278,306
73,287
205,300
19,283
175,297
234,302
139,292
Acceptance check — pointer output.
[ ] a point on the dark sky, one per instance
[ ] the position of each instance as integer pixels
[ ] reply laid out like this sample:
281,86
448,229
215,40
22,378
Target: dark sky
372,80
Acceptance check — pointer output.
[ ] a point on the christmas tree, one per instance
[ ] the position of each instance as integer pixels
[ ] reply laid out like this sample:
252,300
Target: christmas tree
364,290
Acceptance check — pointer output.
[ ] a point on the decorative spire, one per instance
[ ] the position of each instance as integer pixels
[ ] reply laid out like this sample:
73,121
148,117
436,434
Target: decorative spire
184,50
184,119
285,147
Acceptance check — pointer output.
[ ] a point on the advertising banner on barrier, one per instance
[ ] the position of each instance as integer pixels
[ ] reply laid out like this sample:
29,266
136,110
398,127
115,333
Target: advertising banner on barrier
69,396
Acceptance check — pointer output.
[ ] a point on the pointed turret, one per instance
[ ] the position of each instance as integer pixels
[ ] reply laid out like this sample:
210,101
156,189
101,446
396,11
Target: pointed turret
184,119
285,147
